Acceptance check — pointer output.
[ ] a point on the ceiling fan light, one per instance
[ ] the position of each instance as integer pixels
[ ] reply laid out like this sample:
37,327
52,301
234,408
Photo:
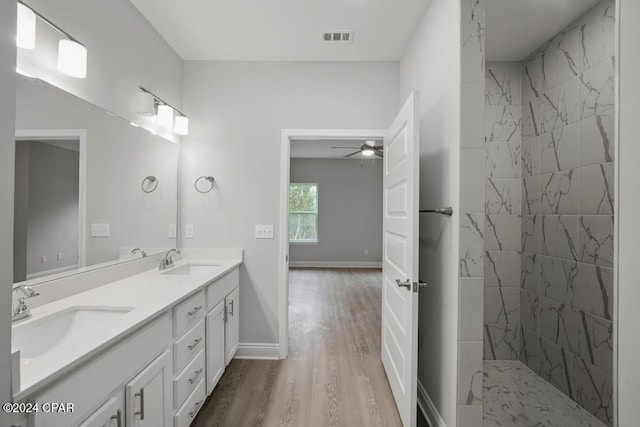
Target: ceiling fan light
367,152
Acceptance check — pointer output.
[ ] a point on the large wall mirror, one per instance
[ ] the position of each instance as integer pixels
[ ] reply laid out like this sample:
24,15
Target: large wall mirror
90,187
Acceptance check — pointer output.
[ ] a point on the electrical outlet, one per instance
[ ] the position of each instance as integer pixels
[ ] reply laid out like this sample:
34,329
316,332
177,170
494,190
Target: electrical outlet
100,230
43,259
188,231
172,231
264,231
60,256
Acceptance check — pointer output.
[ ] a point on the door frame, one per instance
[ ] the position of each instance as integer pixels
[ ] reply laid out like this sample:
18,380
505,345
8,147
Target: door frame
285,175
81,136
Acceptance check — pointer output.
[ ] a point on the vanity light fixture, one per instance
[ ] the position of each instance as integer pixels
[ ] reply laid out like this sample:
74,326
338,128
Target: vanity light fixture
181,125
26,36
165,116
72,55
149,103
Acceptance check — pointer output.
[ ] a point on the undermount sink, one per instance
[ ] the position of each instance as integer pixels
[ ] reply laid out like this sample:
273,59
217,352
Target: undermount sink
62,329
190,269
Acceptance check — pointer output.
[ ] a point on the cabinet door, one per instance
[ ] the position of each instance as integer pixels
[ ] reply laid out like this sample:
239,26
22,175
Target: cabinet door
215,346
232,327
149,396
111,414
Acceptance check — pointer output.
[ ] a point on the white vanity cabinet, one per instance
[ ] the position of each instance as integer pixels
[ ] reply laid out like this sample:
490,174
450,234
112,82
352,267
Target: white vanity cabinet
232,325
215,346
222,325
149,395
111,414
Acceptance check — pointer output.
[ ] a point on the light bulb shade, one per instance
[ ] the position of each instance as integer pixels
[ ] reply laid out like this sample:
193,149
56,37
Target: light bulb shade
72,59
367,153
181,126
26,35
145,104
165,116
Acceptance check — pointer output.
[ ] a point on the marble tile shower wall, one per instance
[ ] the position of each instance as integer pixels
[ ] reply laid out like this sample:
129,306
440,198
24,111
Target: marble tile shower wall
502,210
566,294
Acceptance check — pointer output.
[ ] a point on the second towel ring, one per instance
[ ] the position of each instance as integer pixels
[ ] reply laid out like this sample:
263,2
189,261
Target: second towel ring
152,179
208,178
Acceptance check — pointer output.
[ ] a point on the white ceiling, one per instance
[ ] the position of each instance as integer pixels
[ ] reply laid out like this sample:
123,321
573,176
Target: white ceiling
284,30
515,28
321,148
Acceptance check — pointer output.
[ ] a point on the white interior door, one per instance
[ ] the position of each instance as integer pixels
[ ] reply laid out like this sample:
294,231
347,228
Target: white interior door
400,259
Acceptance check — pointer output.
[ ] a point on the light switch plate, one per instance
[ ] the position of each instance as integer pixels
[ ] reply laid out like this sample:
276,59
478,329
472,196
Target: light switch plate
264,231
100,230
172,231
188,231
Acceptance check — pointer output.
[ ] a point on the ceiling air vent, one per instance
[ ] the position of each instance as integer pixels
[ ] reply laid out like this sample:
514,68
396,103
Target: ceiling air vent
342,36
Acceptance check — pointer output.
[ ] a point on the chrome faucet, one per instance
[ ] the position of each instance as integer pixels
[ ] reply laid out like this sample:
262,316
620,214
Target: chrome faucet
21,311
136,250
167,261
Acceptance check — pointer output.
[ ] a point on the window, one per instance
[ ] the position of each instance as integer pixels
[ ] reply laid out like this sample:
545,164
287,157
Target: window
303,213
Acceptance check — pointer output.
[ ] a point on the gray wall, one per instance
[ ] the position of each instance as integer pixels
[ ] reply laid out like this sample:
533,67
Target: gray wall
349,210
20,213
7,145
237,112
628,206
52,216
437,39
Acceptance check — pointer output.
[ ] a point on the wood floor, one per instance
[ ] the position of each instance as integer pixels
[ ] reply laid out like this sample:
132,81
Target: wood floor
333,376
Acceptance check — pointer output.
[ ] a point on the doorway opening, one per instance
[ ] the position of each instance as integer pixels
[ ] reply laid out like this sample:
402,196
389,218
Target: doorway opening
311,141
48,203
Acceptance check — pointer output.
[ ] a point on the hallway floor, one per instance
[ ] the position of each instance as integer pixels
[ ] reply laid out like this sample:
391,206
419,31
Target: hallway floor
333,376
515,396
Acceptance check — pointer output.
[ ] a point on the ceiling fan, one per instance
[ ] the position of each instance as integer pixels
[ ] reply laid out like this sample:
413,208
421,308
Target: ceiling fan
368,149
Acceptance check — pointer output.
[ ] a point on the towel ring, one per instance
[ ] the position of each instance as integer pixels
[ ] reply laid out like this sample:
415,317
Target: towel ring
152,179
208,178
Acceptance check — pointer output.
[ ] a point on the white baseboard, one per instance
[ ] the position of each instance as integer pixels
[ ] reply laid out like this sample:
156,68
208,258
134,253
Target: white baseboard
335,264
428,409
260,351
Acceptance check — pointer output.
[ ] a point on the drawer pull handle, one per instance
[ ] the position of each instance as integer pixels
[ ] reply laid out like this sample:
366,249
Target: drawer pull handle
118,417
195,310
195,343
195,376
141,412
194,411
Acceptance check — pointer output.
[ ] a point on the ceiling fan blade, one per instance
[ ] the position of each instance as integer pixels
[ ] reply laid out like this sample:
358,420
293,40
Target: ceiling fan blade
350,148
352,154
379,147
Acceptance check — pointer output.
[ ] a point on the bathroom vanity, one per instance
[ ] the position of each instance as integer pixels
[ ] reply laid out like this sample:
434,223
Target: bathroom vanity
145,350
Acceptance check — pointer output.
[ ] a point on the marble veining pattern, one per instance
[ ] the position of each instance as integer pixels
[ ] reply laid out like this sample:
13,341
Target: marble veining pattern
567,195
515,396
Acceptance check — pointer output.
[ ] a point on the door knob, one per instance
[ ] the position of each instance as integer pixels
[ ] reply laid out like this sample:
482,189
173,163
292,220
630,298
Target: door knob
418,285
405,284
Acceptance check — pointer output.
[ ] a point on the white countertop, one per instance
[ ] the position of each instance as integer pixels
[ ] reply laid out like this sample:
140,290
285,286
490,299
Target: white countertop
149,293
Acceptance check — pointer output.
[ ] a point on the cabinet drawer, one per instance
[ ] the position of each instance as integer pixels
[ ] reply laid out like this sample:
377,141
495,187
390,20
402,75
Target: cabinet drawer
187,346
188,379
221,288
187,413
188,312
